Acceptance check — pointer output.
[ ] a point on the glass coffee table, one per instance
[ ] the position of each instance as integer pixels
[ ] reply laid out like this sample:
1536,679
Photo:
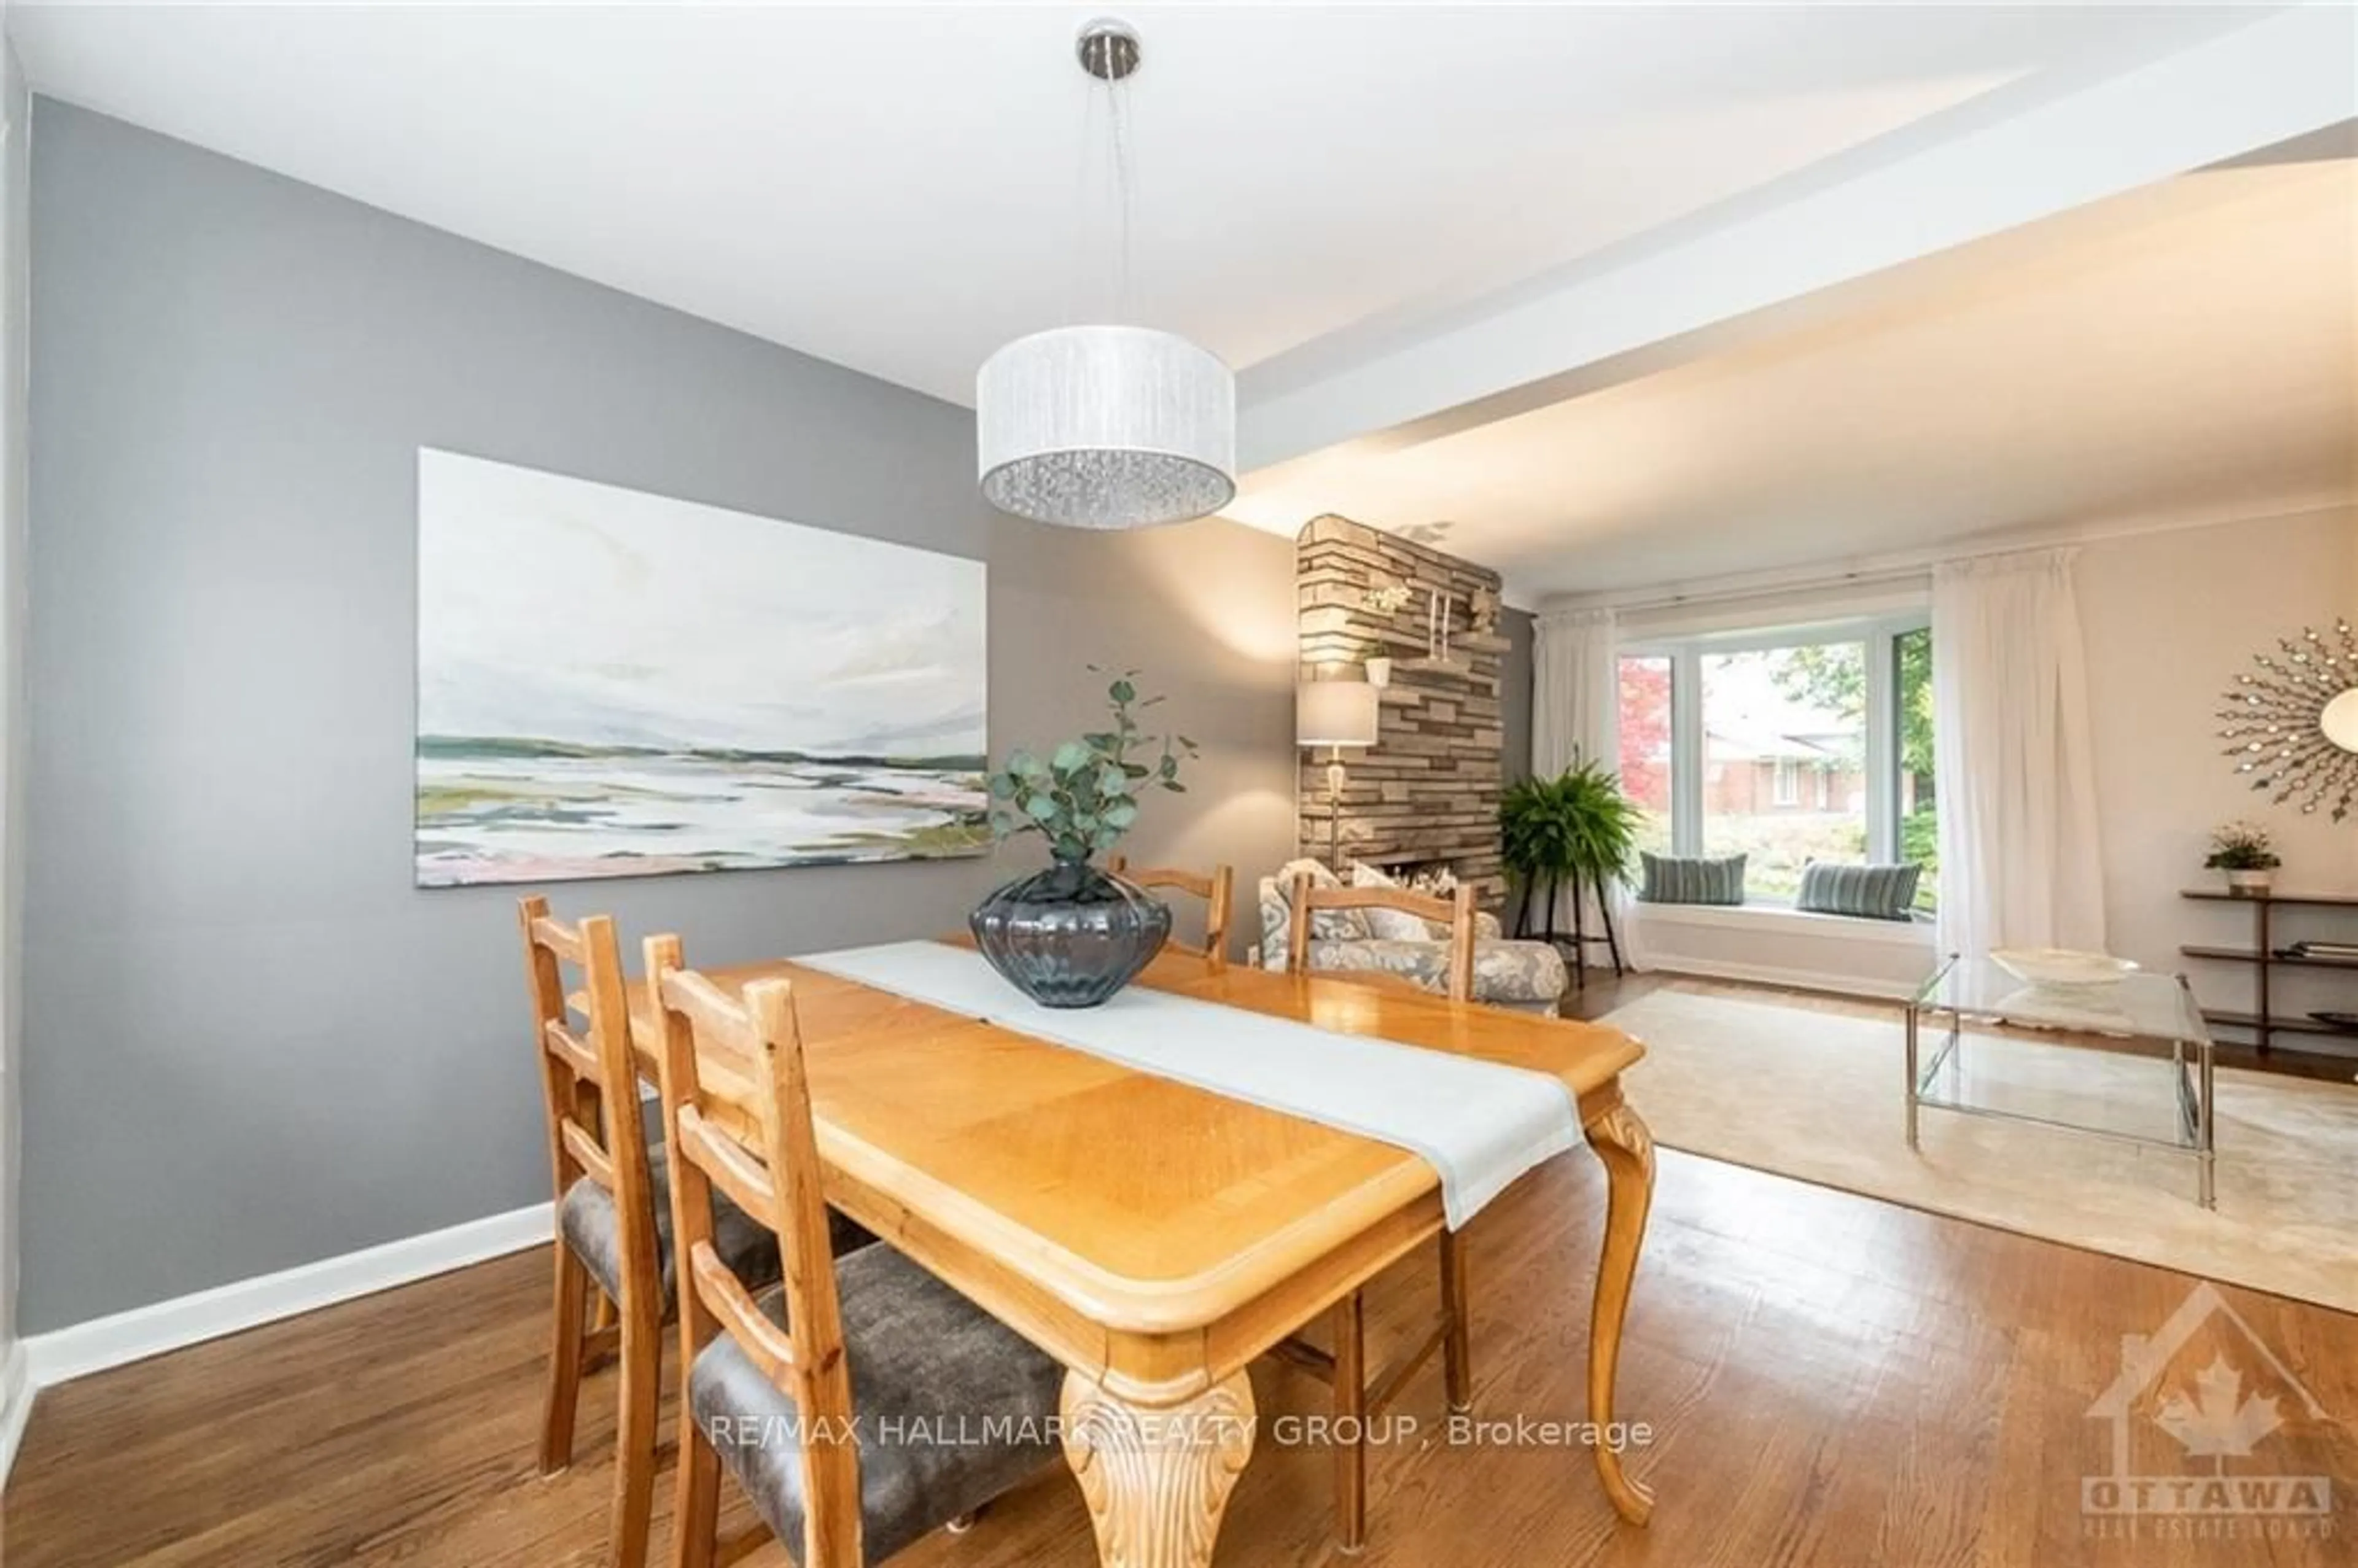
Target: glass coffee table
2154,1014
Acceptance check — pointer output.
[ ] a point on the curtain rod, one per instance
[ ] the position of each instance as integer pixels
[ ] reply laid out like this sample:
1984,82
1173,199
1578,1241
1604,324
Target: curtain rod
1817,582
1900,565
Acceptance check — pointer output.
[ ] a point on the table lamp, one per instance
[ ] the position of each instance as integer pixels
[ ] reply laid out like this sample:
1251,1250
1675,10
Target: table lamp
1335,714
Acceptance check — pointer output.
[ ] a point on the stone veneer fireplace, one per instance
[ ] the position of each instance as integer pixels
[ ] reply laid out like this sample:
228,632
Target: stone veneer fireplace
1425,796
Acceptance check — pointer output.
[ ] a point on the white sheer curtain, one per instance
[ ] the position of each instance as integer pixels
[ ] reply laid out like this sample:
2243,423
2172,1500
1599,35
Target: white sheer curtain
1576,715
2020,859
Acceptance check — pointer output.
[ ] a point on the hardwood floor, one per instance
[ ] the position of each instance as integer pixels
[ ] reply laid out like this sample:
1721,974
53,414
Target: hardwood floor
1830,1380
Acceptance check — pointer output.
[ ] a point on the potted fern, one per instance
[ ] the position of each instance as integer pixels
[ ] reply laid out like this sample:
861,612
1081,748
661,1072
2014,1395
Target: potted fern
1577,827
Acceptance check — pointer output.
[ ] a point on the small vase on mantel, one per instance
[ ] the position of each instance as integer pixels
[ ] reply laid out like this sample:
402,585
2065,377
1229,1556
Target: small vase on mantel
1071,936
2250,884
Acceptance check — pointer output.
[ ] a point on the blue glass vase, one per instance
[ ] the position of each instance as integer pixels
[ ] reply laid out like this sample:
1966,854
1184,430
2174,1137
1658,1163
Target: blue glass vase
1071,936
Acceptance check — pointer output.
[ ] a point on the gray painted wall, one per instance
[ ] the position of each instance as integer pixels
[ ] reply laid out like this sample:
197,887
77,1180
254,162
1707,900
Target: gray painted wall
249,1042
15,278
1515,693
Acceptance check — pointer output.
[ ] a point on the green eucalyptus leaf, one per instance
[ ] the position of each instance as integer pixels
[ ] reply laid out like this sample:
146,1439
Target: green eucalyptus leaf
1070,757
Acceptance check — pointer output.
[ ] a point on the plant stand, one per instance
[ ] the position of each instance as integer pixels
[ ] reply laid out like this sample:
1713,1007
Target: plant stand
1580,941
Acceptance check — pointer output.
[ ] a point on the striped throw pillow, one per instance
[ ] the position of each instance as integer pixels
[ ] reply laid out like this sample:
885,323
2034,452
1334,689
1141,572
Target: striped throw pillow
1692,878
1867,893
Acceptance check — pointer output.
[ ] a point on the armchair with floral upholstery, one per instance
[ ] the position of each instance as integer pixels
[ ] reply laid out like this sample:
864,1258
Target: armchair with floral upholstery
1528,976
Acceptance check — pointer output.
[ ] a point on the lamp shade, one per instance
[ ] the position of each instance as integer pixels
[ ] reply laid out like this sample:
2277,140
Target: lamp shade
1106,427
1335,713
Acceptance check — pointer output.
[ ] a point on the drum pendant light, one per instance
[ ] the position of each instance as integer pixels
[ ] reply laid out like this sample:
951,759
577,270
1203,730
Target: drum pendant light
1107,426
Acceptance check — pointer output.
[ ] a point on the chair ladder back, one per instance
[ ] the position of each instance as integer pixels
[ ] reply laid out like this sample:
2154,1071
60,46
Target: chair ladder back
591,1085
1216,891
1456,912
765,1156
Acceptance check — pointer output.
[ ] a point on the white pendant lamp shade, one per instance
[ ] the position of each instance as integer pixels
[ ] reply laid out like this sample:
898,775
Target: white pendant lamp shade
1107,427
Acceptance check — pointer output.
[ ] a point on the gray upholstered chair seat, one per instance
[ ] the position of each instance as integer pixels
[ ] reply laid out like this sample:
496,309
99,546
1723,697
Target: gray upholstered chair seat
952,1407
588,1221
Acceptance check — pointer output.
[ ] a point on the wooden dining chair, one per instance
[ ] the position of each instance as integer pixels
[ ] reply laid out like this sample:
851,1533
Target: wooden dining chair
1216,891
1358,1397
613,1212
1307,899
778,1387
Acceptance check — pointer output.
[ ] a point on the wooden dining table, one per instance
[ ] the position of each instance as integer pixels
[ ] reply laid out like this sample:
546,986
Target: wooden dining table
1154,1237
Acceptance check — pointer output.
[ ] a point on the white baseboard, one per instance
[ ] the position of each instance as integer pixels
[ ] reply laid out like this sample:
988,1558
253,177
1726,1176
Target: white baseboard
1770,975
65,1354
16,1403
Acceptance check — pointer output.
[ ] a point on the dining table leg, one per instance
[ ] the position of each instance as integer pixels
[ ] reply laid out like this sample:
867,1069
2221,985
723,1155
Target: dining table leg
1627,1147
1157,1479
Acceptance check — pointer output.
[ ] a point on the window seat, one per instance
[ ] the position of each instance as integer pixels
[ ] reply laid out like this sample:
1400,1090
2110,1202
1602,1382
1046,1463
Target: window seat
1775,944
1773,916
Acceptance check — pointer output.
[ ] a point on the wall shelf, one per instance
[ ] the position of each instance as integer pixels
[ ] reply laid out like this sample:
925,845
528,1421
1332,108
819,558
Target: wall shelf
2245,956
2264,1023
2317,900
2277,1024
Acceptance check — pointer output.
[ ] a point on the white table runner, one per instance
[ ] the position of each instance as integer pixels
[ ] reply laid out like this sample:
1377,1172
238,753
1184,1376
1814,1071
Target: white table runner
1479,1124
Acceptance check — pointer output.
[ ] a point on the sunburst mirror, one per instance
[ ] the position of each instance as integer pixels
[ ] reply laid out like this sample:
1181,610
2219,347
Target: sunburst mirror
2293,726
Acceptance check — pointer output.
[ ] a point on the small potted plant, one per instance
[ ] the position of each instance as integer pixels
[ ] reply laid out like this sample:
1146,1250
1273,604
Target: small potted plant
1073,934
2243,852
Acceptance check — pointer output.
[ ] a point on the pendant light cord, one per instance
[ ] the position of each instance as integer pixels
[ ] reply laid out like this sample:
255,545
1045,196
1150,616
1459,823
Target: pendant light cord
1076,283
1118,176
1118,118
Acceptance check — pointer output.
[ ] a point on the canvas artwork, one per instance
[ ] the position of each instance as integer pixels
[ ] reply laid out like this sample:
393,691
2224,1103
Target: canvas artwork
613,684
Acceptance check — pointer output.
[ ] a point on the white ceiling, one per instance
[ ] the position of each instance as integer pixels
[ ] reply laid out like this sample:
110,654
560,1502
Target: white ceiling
1351,204
2188,349
898,190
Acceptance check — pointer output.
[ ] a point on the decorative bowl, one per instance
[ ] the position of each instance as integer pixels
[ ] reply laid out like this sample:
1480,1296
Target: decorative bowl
2062,968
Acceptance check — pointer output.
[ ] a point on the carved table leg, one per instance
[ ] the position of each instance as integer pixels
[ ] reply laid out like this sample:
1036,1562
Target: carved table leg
1621,1141
1157,1481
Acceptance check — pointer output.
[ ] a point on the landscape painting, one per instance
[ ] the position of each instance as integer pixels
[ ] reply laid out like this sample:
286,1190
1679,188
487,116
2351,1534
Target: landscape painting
613,684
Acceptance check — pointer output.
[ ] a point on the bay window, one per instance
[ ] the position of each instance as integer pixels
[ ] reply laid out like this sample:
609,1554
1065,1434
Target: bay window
1785,744
1645,765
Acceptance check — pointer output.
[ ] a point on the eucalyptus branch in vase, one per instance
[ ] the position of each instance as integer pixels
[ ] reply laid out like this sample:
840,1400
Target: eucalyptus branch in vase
1084,795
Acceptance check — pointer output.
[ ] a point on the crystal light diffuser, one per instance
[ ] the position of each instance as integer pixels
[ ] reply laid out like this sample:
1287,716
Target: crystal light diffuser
1107,427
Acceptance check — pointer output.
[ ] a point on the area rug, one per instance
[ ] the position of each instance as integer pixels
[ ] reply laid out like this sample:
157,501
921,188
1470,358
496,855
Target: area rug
1815,1092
